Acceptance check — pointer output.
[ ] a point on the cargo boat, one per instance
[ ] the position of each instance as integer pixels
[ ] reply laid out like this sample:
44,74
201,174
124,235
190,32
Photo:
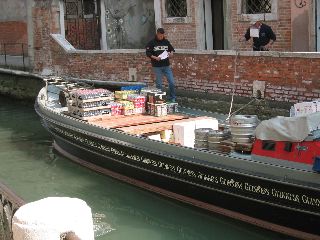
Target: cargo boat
277,187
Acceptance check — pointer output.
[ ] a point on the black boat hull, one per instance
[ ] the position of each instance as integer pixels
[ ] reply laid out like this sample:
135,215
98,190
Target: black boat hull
256,200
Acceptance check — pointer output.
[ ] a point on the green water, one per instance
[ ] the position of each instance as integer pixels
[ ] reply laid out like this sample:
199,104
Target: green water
30,166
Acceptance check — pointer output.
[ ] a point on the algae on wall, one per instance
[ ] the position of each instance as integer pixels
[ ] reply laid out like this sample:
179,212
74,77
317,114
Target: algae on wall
20,87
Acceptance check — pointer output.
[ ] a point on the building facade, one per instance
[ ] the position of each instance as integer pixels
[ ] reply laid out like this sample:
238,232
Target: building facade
190,24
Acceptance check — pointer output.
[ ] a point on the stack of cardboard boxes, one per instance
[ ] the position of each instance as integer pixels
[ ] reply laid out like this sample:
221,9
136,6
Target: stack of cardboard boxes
86,103
304,108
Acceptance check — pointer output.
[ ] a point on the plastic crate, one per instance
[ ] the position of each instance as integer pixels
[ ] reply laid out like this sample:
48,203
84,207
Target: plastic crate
134,88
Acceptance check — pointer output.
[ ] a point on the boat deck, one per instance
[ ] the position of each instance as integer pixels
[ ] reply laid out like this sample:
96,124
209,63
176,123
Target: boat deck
142,124
134,120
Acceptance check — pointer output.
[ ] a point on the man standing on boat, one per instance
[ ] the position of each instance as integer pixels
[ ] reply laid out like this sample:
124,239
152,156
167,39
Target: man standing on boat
262,34
159,50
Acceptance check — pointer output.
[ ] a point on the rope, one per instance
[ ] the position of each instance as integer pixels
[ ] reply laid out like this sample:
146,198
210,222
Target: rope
235,75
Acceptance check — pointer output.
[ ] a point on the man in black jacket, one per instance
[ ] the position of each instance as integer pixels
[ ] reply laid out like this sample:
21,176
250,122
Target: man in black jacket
159,50
263,36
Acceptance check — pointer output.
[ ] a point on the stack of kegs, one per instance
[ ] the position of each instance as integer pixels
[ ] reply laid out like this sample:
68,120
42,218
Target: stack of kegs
216,137
243,127
201,138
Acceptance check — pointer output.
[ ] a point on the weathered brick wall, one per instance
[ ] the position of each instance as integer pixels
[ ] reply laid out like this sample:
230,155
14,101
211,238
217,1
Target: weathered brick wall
289,79
13,34
281,27
183,35
45,21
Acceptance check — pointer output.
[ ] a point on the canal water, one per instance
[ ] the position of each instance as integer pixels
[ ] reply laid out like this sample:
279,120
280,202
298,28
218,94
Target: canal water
30,167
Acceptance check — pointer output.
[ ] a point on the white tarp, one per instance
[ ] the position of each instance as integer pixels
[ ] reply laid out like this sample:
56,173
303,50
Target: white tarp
291,129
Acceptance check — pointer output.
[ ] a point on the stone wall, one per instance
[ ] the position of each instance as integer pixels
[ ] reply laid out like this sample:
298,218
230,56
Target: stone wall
13,26
19,85
13,10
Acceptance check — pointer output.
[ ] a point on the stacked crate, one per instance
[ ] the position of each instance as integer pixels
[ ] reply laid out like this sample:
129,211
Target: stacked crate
172,108
116,109
156,104
132,103
127,107
86,104
139,103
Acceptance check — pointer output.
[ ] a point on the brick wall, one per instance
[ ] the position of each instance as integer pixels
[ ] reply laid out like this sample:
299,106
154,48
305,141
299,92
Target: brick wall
45,21
281,27
289,79
13,33
183,35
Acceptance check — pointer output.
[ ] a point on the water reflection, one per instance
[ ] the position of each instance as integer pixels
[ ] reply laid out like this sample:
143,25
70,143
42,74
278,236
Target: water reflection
30,166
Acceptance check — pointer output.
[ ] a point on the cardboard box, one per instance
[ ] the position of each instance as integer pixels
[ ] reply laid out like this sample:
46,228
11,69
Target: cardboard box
157,110
140,110
156,97
127,112
305,108
123,95
172,108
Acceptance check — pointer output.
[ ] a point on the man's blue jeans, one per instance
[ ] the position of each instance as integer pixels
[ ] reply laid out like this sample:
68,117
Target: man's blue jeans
167,72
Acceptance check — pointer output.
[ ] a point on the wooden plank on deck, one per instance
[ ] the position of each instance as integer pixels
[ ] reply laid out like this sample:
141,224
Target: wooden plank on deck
135,120
155,127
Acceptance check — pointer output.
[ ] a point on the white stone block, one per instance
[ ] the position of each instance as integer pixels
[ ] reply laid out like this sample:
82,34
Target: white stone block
184,133
51,218
207,123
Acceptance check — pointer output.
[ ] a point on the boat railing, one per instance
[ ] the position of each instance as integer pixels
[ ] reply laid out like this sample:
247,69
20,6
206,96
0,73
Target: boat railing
9,204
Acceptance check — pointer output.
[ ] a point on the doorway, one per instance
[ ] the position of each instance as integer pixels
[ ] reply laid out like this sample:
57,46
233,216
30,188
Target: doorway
214,24
82,23
217,24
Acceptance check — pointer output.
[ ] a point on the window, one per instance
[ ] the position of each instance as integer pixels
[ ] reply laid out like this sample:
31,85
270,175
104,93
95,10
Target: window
288,147
176,8
176,11
89,7
80,8
252,10
269,145
256,6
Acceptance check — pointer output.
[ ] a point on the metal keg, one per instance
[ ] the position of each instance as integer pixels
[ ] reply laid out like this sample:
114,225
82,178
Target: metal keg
216,137
201,137
243,127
